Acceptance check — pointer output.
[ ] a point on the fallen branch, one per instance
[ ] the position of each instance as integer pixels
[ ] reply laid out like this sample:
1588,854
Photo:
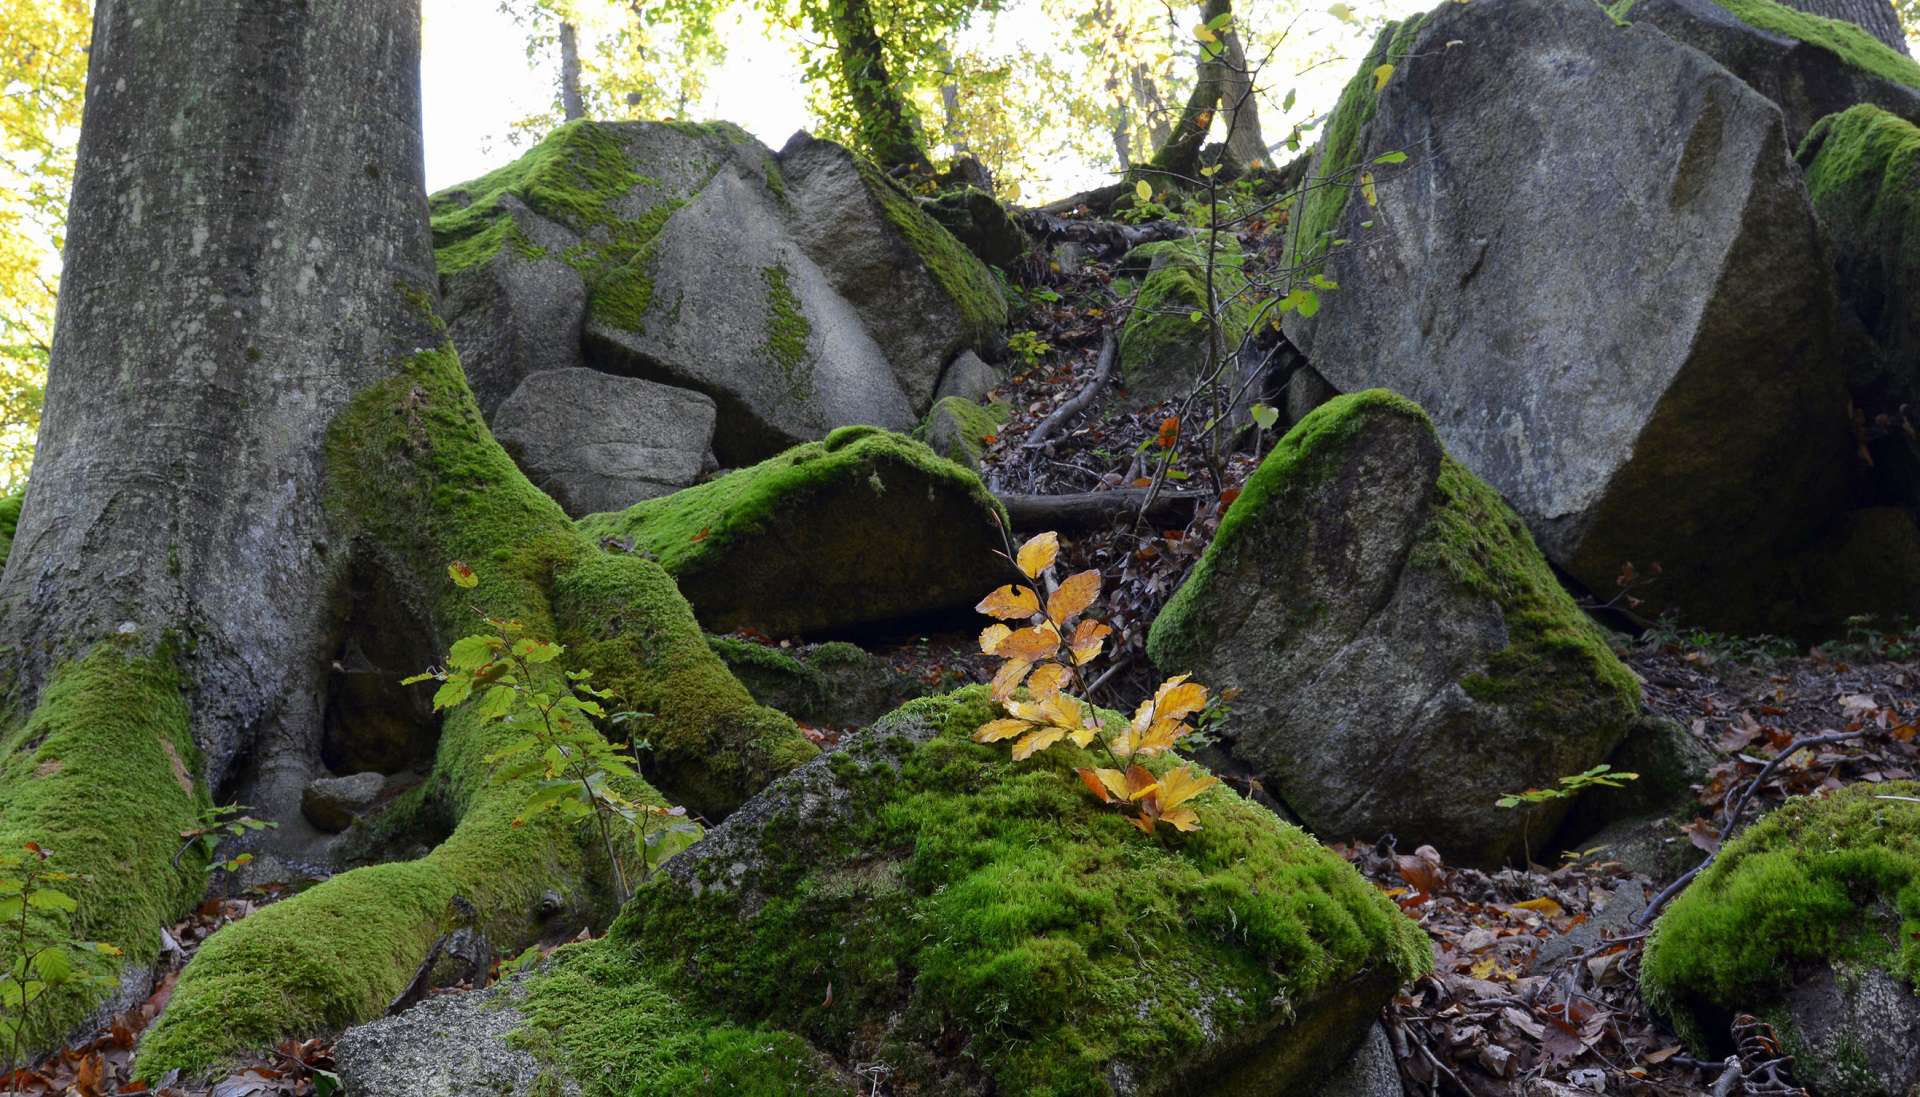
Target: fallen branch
1734,812
1080,401
1097,509
1110,238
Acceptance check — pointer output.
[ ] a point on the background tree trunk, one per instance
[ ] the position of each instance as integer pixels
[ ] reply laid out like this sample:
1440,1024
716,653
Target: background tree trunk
572,104
1237,101
886,123
1876,16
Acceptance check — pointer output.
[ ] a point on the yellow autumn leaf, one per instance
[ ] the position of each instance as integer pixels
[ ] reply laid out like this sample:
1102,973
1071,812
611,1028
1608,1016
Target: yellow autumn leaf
1035,741
1177,698
1140,782
1008,678
1181,819
1032,644
1083,736
1205,33
1381,75
1074,595
1033,712
1091,779
1366,189
1177,786
1115,782
1143,191
1047,679
1543,906
1088,638
1037,554
991,636
995,730
1063,710
1010,603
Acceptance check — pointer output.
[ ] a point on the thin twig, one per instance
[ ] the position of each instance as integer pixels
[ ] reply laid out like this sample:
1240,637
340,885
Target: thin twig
1080,401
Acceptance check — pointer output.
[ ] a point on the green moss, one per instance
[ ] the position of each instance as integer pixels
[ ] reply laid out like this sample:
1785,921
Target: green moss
787,333
725,131
1834,879
962,900
957,428
965,278
105,775
1555,655
599,1019
1317,216
1863,173
1162,347
1844,40
10,521
693,525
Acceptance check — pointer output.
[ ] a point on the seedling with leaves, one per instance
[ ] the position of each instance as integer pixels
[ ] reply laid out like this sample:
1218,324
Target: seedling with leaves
36,915
217,824
1046,655
509,676
1600,776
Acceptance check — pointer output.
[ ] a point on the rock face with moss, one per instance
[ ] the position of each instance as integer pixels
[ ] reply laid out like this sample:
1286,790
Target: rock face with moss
1811,919
861,528
1163,349
958,429
1808,65
1403,654
1671,396
798,298
836,684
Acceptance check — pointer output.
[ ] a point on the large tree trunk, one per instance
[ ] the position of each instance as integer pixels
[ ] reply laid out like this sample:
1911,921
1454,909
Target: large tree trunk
1876,16
251,423
886,124
1223,83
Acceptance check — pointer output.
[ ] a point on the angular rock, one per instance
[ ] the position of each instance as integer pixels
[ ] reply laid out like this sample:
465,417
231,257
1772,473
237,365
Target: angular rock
954,898
969,377
861,528
1598,271
1403,654
1372,1072
1809,66
825,685
1163,351
959,429
451,1045
650,248
597,442
332,803
1807,919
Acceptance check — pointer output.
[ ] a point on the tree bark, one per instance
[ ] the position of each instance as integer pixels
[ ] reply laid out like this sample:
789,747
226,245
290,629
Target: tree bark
573,104
249,410
886,123
1876,17
1223,83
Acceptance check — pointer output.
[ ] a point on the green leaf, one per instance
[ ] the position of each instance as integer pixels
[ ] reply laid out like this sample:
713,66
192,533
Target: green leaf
494,703
1265,415
537,651
462,575
1391,158
49,899
10,908
454,692
53,966
1196,317
1143,191
472,652
412,680
1287,103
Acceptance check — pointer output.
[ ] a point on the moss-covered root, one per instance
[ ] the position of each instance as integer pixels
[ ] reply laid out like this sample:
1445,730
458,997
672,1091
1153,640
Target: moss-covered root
1835,879
104,775
421,479
622,618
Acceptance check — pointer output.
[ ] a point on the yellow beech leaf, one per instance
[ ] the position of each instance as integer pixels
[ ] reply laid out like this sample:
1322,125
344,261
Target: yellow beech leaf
1033,712
1032,644
1143,821
1177,786
1181,819
1009,603
1115,782
1143,191
991,636
1063,710
995,730
1036,740
1082,737
1088,637
1037,555
1140,782
1177,699
1381,75
1094,784
1047,679
1074,595
1143,716
1008,678
1542,905
1367,190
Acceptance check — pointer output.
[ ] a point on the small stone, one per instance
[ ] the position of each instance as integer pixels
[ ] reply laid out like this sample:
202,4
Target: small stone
331,803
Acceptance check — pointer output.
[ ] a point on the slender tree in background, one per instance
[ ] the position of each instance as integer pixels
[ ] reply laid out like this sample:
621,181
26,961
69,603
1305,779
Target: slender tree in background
573,103
256,450
1878,17
1223,85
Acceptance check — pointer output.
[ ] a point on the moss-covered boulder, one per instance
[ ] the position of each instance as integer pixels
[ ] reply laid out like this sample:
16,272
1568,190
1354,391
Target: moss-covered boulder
960,429
1809,65
982,926
979,221
835,684
1596,268
1863,172
1403,654
1163,348
694,256
861,528
1811,919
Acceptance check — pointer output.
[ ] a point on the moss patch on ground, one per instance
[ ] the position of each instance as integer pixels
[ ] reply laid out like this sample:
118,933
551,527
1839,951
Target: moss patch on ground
958,429
983,919
109,743
1336,167
1844,40
1162,346
1834,879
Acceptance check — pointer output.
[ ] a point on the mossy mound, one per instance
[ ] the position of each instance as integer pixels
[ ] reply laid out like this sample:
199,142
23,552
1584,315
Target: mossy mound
834,684
1819,881
862,527
983,926
979,221
1393,629
1863,173
960,429
1847,42
1163,345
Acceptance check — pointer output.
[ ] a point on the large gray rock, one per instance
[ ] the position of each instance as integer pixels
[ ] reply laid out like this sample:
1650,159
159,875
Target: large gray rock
1810,67
451,1045
1599,273
597,442
1403,655
801,292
